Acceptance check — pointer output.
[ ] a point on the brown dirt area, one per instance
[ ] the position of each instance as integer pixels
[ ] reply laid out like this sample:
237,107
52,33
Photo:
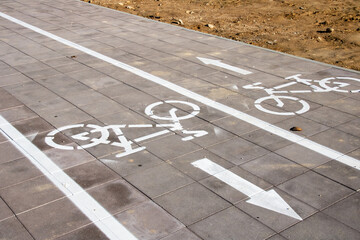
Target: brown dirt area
323,30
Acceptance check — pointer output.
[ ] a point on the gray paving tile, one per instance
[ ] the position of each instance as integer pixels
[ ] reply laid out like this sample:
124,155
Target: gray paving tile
17,171
30,92
229,193
274,220
32,126
30,194
341,173
67,159
346,211
18,58
238,150
51,220
214,135
337,140
315,190
320,226
191,203
307,158
158,180
328,116
97,109
91,174
266,139
139,220
101,82
348,105
168,148
135,99
69,68
84,233
117,196
183,163
56,62
86,97
308,127
116,90
7,100
273,168
5,211
234,125
17,114
231,224
12,229
13,79
38,75
66,117
30,67
131,164
276,237
9,152
49,106
183,233
352,127
239,102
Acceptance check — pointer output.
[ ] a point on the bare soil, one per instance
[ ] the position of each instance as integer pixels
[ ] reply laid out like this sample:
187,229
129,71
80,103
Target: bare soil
323,30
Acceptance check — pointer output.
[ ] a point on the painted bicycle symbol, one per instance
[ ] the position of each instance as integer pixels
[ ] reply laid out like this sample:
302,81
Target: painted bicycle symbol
336,84
96,134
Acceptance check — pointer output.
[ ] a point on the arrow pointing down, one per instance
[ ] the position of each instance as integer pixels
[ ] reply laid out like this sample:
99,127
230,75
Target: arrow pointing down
218,63
266,199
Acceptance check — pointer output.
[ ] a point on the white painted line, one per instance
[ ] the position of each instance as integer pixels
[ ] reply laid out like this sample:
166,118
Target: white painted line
151,136
352,162
301,91
140,125
218,63
285,85
266,199
87,204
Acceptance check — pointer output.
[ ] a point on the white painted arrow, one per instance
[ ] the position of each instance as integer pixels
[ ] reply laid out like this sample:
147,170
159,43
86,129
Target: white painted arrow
218,63
266,199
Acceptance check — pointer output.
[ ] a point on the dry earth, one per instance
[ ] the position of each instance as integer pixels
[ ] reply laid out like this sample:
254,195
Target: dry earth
322,30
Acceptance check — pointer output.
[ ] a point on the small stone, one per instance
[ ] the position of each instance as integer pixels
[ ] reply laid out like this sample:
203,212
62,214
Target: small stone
210,26
329,30
177,21
296,129
129,7
189,12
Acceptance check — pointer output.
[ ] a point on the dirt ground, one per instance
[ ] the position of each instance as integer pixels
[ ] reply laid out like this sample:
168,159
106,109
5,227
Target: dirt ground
322,30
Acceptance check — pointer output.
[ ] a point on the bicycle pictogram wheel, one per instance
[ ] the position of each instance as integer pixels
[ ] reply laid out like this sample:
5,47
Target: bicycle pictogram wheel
81,137
337,84
305,106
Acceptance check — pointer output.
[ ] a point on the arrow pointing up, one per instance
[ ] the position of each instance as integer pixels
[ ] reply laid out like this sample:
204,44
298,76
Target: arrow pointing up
218,63
266,199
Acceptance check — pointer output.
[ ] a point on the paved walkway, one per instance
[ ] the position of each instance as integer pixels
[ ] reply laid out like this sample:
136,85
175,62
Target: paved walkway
115,126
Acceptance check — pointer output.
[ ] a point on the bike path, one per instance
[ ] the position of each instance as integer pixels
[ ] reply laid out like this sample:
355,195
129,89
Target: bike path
173,147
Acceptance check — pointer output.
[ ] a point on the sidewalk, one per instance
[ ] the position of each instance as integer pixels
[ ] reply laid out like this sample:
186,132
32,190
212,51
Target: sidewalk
114,126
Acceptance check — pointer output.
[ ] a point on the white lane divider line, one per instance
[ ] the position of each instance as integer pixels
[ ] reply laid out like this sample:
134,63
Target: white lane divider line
83,201
330,153
266,199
